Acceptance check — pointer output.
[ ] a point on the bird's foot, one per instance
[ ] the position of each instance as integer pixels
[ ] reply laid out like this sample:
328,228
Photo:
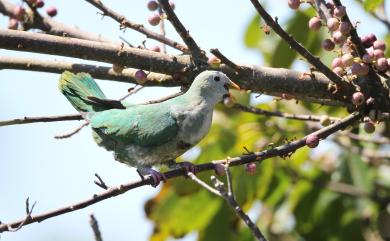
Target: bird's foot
156,176
187,167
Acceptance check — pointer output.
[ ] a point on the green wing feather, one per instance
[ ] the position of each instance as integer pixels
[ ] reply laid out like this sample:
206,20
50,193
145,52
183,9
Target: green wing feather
144,125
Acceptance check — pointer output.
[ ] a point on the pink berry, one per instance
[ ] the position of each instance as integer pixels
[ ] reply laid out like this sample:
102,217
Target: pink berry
294,4
381,64
388,62
378,53
339,71
357,98
51,11
367,58
369,127
312,140
347,59
39,3
172,4
250,168
337,62
154,19
328,44
330,5
333,24
155,48
315,23
379,44
140,76
359,69
13,24
19,12
371,37
368,40
339,11
219,169
345,28
152,5
338,37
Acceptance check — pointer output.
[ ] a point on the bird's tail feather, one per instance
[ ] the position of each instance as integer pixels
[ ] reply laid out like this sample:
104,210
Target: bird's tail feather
81,90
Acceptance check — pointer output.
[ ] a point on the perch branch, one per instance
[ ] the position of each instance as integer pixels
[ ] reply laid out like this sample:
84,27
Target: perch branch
27,120
95,227
282,151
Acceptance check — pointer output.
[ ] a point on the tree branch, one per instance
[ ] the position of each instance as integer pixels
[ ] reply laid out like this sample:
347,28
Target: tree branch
282,151
125,23
27,120
95,228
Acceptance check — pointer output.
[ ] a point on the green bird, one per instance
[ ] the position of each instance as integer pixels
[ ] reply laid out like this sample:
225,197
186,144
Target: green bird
144,135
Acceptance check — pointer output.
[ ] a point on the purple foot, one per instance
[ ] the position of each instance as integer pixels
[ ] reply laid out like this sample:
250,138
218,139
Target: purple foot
188,167
156,176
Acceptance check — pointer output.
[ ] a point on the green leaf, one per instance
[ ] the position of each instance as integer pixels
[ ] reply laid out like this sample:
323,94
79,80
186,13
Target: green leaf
371,5
253,33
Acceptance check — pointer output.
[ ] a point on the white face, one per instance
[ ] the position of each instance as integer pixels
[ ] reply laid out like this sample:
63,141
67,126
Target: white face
213,84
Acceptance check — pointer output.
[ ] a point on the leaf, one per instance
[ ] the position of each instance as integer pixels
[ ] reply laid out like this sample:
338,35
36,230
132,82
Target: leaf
371,5
253,33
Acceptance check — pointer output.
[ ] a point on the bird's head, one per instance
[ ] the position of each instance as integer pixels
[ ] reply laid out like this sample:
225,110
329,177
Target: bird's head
212,85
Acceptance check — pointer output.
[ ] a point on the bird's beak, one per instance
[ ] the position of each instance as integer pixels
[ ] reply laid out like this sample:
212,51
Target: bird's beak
234,85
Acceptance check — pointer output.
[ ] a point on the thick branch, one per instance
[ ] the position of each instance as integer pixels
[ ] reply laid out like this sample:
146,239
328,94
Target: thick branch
284,150
51,26
124,22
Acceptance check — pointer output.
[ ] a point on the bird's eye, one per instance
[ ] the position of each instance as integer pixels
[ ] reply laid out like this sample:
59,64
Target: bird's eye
216,78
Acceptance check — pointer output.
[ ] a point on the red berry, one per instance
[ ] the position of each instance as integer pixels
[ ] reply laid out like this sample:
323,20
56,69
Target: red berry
347,59
39,3
381,64
19,12
13,24
345,28
359,69
337,62
328,44
140,76
315,23
155,48
357,98
250,168
154,19
294,4
333,24
152,5
379,44
312,140
339,11
338,37
378,53
369,127
51,11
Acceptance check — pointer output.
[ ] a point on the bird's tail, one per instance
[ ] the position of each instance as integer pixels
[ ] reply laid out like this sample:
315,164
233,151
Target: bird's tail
82,92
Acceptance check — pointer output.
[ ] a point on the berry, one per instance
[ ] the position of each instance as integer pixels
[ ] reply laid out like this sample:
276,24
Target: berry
388,62
378,53
339,11
359,69
39,3
379,44
368,40
333,24
294,4
367,58
219,169
369,127
347,59
312,140
19,12
357,98
381,64
345,28
325,121
51,11
13,24
339,71
140,76
152,5
172,4
154,19
214,62
337,62
315,23
338,37
328,44
155,48
250,168
330,5
228,101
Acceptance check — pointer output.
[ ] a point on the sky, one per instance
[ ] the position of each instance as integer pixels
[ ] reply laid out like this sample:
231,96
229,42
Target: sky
56,173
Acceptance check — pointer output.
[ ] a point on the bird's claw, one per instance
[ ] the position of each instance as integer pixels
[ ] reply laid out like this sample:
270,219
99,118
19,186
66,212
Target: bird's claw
187,167
156,176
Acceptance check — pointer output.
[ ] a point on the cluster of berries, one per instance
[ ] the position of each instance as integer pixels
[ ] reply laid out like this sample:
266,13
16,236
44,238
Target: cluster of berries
155,18
19,13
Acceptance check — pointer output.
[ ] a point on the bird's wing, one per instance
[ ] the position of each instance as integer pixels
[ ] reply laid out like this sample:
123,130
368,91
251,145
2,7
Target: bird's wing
147,125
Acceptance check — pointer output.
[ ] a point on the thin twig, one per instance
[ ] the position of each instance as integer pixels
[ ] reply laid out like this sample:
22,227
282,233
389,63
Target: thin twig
313,60
100,182
162,30
75,131
225,60
162,99
193,47
203,184
131,92
95,227
27,120
125,23
26,219
283,150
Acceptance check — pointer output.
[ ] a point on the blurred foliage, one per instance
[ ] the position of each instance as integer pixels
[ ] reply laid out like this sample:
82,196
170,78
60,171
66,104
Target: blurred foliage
304,197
